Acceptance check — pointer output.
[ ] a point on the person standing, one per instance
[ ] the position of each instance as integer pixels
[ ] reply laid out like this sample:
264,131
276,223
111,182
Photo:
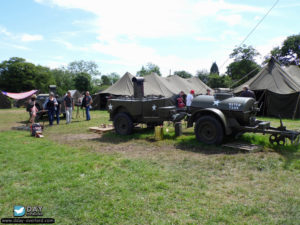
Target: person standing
87,102
32,108
50,105
180,100
189,99
247,92
58,109
208,92
69,106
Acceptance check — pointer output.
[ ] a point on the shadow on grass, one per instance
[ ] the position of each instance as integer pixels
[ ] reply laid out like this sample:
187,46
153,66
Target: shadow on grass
186,142
138,133
291,153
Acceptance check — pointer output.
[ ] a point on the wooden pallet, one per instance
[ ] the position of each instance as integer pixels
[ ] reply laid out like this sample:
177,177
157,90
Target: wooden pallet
103,128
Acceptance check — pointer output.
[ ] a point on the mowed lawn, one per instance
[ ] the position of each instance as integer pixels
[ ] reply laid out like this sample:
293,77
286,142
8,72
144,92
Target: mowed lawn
84,178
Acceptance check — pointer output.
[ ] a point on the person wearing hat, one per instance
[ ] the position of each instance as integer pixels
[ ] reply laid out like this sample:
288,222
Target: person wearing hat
32,108
247,92
189,99
50,105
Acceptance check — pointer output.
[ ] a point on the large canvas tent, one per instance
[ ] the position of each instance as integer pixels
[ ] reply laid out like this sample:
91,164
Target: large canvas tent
277,89
154,85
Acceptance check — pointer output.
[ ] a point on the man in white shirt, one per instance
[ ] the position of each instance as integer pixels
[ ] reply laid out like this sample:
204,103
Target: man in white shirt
189,99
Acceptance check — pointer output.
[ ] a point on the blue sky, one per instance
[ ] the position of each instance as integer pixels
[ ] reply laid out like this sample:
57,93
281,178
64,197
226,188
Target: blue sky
122,36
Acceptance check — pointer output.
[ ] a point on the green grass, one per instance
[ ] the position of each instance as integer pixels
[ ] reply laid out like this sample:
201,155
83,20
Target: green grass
138,181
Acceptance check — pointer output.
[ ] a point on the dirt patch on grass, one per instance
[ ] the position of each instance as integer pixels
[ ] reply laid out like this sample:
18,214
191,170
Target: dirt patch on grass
138,148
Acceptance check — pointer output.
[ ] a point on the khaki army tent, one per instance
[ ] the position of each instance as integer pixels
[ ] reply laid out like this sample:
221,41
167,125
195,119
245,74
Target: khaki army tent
122,87
277,91
157,86
154,85
186,85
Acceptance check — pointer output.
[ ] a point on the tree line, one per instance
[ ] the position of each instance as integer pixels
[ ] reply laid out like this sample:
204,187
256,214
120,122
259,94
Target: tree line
18,75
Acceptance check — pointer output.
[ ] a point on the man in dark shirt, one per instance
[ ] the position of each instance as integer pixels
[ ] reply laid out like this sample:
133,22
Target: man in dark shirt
247,92
86,103
69,106
50,105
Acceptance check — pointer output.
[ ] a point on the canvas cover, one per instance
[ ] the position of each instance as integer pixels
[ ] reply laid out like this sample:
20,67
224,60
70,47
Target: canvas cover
158,86
294,71
277,90
272,78
123,86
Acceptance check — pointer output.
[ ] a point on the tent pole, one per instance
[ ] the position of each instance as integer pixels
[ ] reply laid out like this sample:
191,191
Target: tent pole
295,111
265,102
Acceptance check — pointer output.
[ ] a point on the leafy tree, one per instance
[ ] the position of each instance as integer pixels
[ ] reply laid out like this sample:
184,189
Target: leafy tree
244,63
244,52
183,74
203,75
150,68
114,77
64,80
83,82
82,66
17,75
43,78
289,53
214,69
215,81
105,80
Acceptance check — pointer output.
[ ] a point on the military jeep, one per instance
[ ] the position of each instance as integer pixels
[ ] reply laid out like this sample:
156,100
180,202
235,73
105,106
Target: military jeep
214,117
125,112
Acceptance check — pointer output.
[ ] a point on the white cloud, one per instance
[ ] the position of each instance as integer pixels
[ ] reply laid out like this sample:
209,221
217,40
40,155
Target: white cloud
265,48
70,46
56,64
120,24
231,20
153,19
30,37
4,31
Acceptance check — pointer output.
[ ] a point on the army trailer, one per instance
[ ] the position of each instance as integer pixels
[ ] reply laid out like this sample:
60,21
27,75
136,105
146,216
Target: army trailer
214,117
125,112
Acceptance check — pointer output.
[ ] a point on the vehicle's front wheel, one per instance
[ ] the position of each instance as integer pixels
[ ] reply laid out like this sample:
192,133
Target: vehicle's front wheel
123,124
209,130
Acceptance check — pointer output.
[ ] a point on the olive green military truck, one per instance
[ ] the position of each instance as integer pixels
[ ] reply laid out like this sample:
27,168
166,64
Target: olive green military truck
125,112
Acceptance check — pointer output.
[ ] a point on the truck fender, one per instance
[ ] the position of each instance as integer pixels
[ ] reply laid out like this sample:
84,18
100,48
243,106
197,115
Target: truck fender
210,111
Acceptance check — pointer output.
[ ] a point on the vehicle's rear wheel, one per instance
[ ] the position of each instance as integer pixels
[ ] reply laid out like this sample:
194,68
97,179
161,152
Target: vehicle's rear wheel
209,130
123,124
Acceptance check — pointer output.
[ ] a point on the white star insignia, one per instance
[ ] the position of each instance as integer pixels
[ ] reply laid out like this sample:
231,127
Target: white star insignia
216,103
110,106
154,107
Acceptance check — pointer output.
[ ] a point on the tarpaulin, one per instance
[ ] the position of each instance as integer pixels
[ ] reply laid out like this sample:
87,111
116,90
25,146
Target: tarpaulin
19,95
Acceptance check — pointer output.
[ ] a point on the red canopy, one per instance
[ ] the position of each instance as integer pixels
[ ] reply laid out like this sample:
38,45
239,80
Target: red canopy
19,95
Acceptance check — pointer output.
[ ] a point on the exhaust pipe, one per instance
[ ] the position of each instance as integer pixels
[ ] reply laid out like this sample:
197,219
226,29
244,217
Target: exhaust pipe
138,87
